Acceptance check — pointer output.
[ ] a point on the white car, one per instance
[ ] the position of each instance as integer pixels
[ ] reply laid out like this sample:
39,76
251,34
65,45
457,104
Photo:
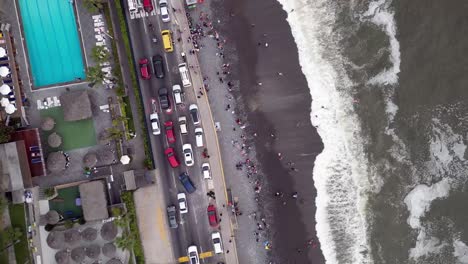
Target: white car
188,154
184,75
164,11
182,199
154,118
193,109
199,137
217,242
192,253
205,167
177,92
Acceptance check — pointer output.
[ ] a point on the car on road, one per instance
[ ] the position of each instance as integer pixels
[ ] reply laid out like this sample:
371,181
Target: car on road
177,92
217,242
164,11
205,167
183,125
171,157
171,215
148,5
184,178
144,69
184,75
156,128
182,199
170,135
167,40
164,100
192,253
193,109
199,137
158,66
212,215
188,154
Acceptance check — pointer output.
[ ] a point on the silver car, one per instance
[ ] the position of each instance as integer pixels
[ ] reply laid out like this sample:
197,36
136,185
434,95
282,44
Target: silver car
171,214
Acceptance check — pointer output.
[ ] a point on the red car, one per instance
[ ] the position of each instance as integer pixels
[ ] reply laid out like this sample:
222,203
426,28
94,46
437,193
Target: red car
144,69
212,215
169,131
171,157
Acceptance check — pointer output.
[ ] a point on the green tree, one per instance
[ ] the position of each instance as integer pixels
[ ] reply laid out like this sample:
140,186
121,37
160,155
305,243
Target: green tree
114,133
126,241
116,211
100,54
120,91
3,203
68,223
95,74
13,234
5,133
49,192
93,6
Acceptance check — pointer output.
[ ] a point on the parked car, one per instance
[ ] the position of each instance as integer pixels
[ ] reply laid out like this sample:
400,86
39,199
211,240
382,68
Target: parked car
148,5
188,154
212,215
184,75
217,242
193,109
183,125
170,135
206,171
156,128
164,11
177,92
144,70
158,66
192,253
199,137
182,199
187,182
171,157
164,99
171,215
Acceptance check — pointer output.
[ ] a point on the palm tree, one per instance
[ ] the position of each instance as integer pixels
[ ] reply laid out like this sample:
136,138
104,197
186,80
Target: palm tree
114,133
126,241
100,54
95,74
93,6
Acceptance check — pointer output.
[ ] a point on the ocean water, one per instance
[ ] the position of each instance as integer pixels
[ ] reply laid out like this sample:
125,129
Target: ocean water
389,88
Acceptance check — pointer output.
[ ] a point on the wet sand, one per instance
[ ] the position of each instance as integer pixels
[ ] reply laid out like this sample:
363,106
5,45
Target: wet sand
278,111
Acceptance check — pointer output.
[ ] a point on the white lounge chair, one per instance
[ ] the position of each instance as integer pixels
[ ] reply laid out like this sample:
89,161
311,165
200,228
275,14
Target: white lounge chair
100,43
39,105
97,16
57,101
99,24
50,102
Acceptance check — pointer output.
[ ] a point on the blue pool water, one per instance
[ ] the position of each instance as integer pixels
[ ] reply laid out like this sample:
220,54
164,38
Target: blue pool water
52,41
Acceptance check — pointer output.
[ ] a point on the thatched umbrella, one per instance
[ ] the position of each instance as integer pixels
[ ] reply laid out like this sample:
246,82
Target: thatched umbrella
114,261
54,140
109,250
90,160
56,161
93,251
48,124
55,240
72,237
89,234
52,217
106,157
109,231
62,257
78,254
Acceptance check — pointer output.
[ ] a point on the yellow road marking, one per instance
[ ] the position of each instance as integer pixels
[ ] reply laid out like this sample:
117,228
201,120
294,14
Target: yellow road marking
202,256
183,259
160,220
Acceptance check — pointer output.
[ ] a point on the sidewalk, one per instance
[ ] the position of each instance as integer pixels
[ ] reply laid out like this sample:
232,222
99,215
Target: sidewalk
211,136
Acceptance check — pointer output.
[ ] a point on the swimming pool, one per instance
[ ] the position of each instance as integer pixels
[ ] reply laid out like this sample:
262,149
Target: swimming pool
52,41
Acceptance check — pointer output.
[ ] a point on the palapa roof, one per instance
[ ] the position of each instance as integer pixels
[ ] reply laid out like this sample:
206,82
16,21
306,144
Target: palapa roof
48,123
109,250
90,160
106,157
72,237
76,105
54,140
56,161
93,251
62,257
89,234
78,254
52,217
114,261
109,231
55,240
93,200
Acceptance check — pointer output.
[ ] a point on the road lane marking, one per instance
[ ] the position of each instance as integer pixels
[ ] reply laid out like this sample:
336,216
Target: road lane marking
160,221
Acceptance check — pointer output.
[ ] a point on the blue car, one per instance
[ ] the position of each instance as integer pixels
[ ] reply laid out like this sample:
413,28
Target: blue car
186,182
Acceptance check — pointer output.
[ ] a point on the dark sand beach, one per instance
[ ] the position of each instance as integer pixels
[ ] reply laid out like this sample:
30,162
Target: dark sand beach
278,111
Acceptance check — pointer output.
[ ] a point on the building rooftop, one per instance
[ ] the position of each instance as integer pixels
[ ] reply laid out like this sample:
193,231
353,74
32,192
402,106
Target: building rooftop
14,168
93,200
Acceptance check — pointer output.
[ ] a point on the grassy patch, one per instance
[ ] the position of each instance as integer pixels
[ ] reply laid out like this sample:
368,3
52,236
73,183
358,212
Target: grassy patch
127,110
4,253
127,198
18,221
65,203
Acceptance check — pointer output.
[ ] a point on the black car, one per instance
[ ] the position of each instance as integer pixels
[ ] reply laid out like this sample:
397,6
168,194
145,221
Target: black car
158,66
186,182
164,99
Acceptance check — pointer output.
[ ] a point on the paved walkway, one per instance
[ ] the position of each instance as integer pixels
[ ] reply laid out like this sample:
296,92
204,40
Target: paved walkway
211,136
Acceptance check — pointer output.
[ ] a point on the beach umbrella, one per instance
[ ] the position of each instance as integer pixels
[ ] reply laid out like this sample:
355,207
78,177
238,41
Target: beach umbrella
10,109
5,89
56,161
2,52
125,159
109,250
4,71
78,254
52,217
106,157
90,160
48,124
55,240
4,101
93,251
62,257
89,234
114,261
72,237
54,140
109,231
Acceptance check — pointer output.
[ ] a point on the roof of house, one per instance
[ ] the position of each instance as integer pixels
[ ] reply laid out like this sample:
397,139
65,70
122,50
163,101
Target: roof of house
76,105
14,168
93,200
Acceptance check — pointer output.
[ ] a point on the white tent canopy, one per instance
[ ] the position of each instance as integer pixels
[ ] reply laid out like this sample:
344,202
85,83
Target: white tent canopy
2,52
4,102
125,159
5,89
4,71
10,109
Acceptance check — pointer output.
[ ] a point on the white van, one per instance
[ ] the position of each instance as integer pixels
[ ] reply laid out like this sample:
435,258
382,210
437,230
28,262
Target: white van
177,92
199,137
184,75
131,6
217,243
183,125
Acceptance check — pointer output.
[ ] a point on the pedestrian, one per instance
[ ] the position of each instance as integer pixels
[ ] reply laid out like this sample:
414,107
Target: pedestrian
294,195
266,44
280,73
